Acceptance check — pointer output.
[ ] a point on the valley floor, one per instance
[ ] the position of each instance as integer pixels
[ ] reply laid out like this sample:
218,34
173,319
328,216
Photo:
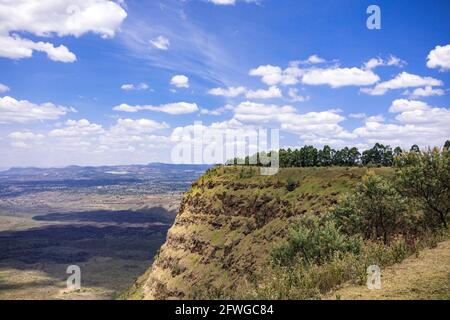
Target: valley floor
423,277
112,238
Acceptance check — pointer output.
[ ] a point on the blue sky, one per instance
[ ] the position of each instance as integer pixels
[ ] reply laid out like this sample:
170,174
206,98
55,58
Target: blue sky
96,82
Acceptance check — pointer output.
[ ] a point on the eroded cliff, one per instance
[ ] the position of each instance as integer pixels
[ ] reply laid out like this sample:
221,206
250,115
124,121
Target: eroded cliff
228,223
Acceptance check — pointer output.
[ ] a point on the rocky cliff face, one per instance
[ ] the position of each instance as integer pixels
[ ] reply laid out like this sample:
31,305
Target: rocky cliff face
228,223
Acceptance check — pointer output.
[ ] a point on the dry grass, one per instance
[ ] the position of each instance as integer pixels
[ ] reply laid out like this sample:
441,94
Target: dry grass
426,276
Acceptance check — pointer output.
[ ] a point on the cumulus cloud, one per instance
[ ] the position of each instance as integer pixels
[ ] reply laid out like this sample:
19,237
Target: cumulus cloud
314,59
23,111
3,88
170,108
138,87
230,92
138,126
84,143
180,81
403,105
25,139
314,126
25,136
415,122
231,2
295,96
379,62
439,58
14,47
258,112
357,115
333,76
272,92
401,81
218,111
340,77
76,129
273,75
161,43
68,18
428,91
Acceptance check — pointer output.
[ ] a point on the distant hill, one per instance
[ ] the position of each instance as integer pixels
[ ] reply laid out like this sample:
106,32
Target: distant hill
142,172
151,178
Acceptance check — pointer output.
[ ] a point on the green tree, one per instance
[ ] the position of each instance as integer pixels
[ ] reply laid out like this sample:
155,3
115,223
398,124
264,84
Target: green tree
379,155
353,156
398,152
425,176
415,148
375,210
447,145
325,157
308,156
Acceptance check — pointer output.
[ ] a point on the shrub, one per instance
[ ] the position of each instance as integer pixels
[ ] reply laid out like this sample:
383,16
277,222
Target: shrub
376,210
291,185
425,176
314,240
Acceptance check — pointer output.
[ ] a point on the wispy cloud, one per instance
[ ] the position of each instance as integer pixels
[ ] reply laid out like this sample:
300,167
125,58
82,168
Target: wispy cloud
193,50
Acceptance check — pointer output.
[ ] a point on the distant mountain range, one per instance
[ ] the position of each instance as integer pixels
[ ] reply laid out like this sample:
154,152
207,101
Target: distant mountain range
122,172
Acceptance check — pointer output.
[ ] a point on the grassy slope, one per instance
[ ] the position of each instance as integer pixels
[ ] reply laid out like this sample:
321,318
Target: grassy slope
426,276
229,222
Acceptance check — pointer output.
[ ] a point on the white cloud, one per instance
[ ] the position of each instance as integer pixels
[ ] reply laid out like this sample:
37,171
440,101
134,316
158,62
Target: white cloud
230,2
25,136
312,127
437,117
428,91
378,62
3,88
314,59
138,126
84,143
273,75
77,128
415,123
295,96
340,77
23,111
218,111
20,145
272,92
373,63
223,2
138,87
230,92
402,80
363,116
316,125
170,108
180,81
439,58
395,61
357,116
14,47
403,105
377,118
161,43
54,18
258,112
